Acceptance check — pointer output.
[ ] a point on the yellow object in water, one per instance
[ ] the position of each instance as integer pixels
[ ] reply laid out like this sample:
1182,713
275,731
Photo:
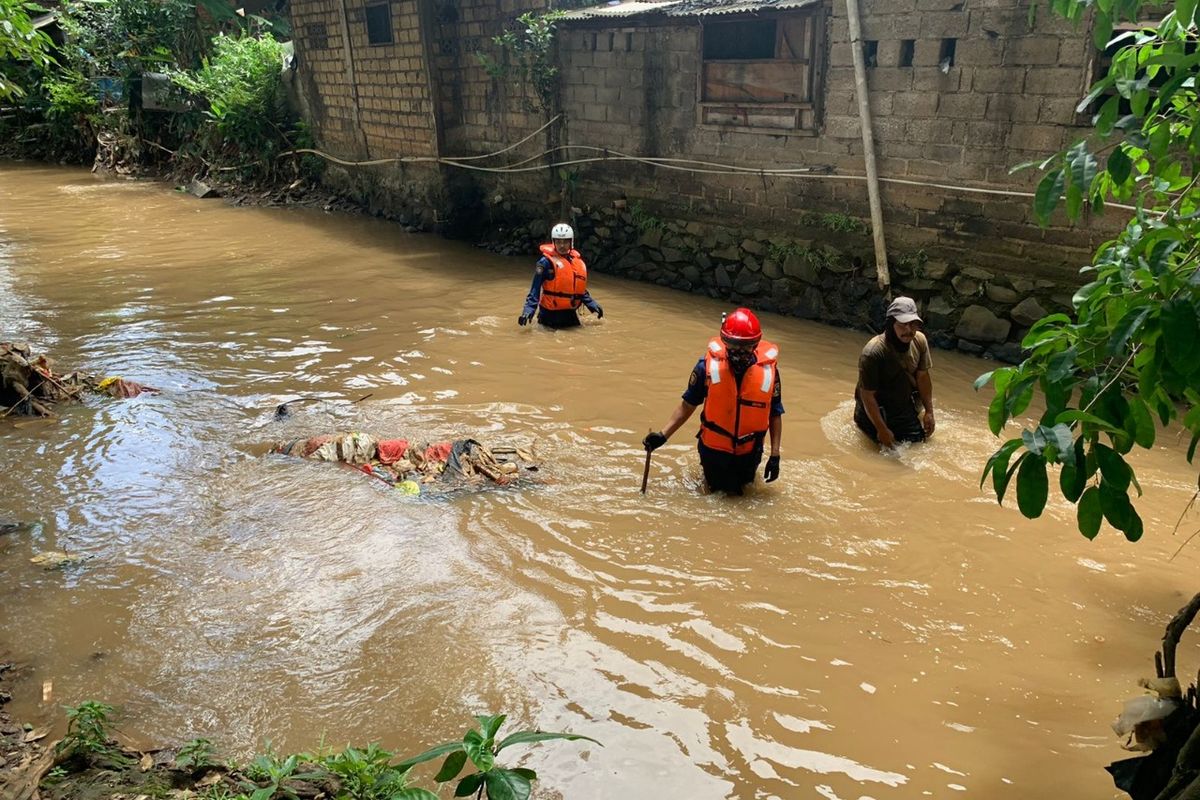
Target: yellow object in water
408,487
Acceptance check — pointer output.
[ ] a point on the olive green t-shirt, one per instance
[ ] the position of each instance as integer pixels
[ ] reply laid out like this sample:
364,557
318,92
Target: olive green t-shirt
892,375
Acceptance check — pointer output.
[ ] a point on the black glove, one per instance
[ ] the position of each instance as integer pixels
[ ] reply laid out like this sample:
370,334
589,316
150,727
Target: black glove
524,319
772,470
653,441
599,312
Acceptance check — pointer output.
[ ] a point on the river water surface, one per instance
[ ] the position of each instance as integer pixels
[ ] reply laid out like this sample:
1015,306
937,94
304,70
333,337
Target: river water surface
867,626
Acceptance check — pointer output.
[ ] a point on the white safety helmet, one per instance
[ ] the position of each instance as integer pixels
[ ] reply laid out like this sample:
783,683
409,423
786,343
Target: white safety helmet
562,231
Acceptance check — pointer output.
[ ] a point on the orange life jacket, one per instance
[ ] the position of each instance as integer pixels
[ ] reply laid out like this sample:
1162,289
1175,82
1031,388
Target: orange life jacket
736,414
565,290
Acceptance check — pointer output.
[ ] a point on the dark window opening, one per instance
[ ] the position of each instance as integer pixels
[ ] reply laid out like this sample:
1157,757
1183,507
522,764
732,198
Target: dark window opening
741,40
318,36
629,43
871,53
379,24
611,38
593,42
908,48
946,55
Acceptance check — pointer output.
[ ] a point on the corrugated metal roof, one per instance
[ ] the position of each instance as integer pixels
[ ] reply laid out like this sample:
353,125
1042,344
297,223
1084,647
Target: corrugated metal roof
623,9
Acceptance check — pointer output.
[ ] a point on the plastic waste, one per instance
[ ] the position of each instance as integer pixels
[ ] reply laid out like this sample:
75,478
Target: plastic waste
408,487
1140,723
1142,709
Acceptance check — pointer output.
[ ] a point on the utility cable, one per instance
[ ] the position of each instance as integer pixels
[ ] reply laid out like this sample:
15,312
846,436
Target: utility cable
820,172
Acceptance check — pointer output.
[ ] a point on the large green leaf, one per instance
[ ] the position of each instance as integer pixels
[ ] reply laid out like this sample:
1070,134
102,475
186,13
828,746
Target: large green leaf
1088,513
490,725
1119,511
1181,333
1113,468
1144,430
999,459
1083,416
1001,478
506,784
1032,486
1119,165
479,750
429,755
1126,328
997,415
1049,191
1020,395
526,737
451,766
1071,482
1185,11
469,785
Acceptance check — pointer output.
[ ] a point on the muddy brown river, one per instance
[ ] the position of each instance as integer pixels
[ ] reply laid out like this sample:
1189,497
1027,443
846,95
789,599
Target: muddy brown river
867,626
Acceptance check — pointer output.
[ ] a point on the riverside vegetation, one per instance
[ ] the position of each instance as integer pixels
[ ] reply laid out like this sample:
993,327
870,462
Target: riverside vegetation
218,107
88,763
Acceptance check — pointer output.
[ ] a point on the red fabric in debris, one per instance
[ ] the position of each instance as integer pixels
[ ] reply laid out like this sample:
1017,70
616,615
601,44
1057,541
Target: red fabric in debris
389,451
439,451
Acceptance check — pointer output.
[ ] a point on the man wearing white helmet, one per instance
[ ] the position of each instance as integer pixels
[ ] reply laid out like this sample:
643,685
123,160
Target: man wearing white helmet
559,283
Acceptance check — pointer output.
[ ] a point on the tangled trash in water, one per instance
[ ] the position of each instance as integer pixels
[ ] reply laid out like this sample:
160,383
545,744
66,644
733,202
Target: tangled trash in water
29,387
408,466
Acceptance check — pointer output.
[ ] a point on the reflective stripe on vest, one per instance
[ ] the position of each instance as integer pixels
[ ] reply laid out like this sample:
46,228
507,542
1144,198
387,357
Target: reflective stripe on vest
737,415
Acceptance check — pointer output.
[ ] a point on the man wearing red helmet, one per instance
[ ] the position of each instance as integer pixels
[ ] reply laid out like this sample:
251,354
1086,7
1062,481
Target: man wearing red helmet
894,381
737,382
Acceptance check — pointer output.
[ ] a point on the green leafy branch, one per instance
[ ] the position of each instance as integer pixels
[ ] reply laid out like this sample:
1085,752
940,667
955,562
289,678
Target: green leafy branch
481,748
1129,355
527,56
20,41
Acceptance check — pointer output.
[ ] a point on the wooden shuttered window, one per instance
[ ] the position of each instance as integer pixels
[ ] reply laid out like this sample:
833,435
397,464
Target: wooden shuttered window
763,74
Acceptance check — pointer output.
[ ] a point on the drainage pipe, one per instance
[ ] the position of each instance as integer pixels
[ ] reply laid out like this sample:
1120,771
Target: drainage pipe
864,116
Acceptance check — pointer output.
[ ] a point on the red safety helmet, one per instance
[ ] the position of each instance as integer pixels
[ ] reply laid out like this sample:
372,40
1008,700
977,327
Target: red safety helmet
741,328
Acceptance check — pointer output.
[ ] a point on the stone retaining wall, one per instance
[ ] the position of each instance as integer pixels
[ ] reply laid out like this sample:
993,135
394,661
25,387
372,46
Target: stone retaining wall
824,275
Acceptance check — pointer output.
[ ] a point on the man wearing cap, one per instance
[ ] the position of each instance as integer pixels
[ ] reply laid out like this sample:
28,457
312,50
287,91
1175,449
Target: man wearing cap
893,380
737,383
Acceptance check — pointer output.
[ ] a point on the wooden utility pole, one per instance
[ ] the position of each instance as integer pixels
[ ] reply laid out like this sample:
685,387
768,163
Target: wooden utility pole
868,139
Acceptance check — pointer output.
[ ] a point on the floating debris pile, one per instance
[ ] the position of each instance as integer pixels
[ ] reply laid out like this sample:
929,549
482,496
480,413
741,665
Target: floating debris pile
29,387
408,465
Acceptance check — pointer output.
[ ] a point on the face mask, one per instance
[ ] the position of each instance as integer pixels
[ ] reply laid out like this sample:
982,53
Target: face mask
741,360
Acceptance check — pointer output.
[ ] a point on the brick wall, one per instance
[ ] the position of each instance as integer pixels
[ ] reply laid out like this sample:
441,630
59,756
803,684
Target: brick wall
369,101
480,114
632,86
1009,97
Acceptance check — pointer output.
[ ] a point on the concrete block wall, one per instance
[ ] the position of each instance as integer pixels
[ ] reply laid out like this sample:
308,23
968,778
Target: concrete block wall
1008,97
480,114
632,86
369,102
325,92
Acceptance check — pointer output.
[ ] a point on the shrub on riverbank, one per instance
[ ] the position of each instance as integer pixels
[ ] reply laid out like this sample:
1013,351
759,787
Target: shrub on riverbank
92,103
244,122
88,764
